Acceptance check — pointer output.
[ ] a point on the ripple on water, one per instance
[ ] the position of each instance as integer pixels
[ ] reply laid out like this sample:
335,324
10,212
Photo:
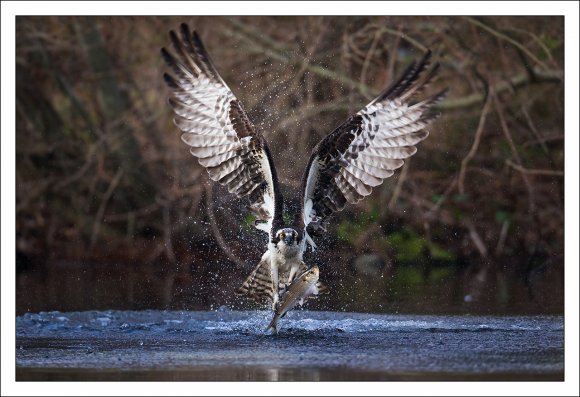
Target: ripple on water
363,341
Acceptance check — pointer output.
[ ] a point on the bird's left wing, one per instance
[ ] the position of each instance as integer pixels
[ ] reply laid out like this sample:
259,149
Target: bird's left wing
217,129
367,148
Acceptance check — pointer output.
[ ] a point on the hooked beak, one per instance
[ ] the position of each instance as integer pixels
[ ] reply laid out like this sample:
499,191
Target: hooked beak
289,239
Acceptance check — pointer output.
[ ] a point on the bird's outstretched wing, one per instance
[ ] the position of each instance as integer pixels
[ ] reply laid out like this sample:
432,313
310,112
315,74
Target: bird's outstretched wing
367,148
217,129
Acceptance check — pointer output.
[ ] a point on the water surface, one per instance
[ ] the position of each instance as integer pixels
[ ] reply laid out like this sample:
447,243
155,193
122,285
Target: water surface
230,345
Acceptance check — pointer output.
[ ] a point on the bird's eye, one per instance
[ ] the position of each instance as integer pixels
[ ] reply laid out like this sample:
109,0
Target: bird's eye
281,235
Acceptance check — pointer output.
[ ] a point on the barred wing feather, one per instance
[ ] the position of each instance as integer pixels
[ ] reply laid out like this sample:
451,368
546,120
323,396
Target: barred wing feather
217,129
366,149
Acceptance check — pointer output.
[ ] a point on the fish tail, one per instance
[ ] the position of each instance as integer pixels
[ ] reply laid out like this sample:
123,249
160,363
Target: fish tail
322,288
272,328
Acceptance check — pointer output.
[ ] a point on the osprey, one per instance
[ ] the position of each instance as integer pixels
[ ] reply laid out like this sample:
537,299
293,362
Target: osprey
343,168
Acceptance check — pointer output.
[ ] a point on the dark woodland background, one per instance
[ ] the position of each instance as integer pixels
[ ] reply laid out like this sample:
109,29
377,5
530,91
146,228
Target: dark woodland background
113,212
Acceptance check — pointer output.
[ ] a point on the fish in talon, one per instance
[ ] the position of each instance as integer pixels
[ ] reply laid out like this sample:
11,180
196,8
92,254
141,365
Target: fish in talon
301,289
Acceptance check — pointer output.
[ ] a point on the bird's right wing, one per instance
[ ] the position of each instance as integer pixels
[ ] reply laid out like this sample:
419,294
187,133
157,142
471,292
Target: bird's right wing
217,129
367,148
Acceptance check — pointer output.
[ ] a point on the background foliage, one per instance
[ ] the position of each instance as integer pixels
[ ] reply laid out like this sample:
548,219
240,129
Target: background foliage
113,211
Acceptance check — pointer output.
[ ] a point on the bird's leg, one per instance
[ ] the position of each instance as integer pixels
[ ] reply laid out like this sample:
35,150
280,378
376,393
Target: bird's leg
285,285
293,269
275,284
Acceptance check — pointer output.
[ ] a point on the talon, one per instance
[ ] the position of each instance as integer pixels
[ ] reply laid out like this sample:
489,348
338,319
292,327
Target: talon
283,289
275,302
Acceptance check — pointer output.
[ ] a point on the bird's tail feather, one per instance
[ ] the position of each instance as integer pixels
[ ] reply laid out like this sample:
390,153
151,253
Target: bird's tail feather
258,285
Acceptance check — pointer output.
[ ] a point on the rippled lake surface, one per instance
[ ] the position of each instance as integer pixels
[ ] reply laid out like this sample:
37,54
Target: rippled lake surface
231,345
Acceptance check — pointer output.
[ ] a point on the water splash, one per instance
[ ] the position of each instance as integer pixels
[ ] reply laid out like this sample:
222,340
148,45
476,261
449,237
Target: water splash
307,339
253,322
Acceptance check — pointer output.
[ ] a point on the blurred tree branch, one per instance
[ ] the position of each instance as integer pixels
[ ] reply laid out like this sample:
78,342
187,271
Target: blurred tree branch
506,131
550,76
101,211
506,38
475,145
216,231
279,52
533,171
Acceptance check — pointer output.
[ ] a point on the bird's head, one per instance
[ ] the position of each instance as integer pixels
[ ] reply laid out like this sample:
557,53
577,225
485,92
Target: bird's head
286,237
